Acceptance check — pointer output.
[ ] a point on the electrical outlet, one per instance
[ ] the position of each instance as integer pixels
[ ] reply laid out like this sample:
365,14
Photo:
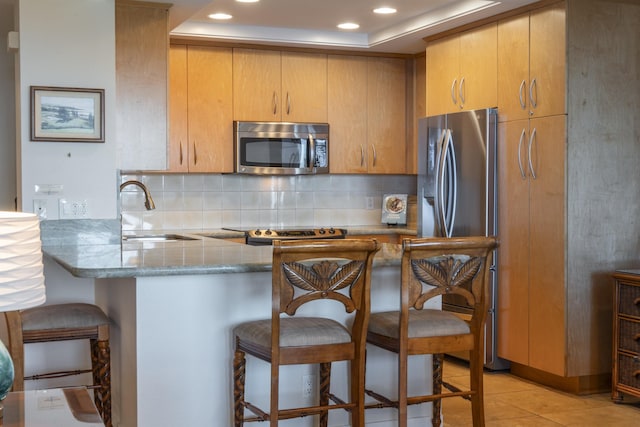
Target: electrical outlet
369,201
73,209
40,208
308,385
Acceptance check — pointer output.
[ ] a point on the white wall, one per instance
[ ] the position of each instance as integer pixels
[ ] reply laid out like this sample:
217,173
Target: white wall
67,43
7,112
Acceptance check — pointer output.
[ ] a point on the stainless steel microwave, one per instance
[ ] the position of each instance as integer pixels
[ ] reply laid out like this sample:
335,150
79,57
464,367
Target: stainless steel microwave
278,148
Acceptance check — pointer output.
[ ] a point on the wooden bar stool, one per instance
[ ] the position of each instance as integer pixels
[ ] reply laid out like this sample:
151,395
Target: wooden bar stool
432,267
309,272
63,322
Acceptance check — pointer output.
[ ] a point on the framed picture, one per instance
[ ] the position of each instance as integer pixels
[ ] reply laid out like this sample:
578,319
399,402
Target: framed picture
67,114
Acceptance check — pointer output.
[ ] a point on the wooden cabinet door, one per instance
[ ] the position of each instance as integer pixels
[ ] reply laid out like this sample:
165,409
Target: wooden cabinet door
442,76
531,212
513,68
210,116
347,113
462,71
386,115
547,291
477,85
141,49
513,252
178,126
304,87
547,52
257,85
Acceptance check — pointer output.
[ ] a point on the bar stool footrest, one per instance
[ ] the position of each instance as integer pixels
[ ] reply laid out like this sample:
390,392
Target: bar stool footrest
58,374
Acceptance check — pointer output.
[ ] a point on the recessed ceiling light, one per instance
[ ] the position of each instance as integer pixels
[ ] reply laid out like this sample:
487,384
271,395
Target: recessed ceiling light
348,26
384,10
220,16
247,1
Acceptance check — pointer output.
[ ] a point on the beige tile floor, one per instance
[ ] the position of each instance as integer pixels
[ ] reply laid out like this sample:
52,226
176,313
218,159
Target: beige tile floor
514,402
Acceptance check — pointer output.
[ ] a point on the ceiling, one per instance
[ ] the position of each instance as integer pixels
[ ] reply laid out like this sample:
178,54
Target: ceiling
312,23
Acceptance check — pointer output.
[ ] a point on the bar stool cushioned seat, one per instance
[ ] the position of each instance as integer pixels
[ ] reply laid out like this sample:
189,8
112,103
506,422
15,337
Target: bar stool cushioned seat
74,321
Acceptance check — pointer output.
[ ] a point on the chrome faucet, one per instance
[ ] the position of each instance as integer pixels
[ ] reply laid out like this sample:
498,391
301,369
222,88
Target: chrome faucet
148,201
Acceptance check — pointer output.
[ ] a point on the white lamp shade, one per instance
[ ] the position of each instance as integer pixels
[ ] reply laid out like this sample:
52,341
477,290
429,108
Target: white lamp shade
21,269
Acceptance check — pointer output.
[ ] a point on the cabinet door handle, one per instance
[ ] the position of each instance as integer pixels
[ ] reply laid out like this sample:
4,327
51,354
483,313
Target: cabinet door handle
195,154
288,104
522,94
375,155
361,155
274,99
531,139
522,136
453,91
181,153
533,94
636,301
461,90
636,337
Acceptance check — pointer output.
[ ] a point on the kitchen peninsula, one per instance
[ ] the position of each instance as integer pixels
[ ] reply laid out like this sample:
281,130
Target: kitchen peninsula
174,304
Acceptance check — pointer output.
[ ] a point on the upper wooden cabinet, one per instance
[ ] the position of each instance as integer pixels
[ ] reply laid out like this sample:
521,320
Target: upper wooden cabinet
270,85
142,43
200,109
531,64
347,99
386,115
462,70
367,114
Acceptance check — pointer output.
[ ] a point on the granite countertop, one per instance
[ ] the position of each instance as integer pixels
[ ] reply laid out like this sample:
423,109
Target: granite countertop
94,249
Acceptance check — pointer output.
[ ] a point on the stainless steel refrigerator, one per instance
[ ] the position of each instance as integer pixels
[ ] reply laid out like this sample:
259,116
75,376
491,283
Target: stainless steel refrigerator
457,194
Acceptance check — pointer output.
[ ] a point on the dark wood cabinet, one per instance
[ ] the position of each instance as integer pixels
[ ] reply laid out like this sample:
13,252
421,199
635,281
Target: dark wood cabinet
626,335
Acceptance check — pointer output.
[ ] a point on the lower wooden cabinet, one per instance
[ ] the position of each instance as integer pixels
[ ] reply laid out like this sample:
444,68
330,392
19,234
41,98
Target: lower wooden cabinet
531,274
626,335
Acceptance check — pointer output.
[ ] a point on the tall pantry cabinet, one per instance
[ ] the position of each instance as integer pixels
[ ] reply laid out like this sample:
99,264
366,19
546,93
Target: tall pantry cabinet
568,185
531,158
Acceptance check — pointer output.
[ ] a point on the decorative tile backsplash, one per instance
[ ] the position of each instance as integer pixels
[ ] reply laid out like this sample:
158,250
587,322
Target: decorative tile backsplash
208,201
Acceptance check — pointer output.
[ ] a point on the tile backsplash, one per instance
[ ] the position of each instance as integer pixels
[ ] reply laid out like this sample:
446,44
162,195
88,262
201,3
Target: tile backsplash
212,201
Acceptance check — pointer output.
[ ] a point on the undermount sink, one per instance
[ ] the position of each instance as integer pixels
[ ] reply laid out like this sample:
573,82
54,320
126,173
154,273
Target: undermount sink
156,238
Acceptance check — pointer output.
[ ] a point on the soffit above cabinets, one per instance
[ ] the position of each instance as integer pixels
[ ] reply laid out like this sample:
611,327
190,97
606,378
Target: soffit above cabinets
312,23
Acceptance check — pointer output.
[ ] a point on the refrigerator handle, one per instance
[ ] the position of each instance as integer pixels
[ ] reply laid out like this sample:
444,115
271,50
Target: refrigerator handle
453,185
440,184
522,173
531,139
447,172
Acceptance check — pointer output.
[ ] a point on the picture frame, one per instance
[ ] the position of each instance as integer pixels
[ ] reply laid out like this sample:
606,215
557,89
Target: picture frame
67,114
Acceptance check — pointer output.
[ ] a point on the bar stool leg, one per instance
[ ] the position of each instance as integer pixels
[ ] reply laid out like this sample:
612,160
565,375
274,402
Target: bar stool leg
437,388
101,370
325,387
239,363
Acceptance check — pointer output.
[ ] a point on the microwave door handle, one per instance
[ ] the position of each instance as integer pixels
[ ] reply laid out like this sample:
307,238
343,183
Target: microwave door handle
312,153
